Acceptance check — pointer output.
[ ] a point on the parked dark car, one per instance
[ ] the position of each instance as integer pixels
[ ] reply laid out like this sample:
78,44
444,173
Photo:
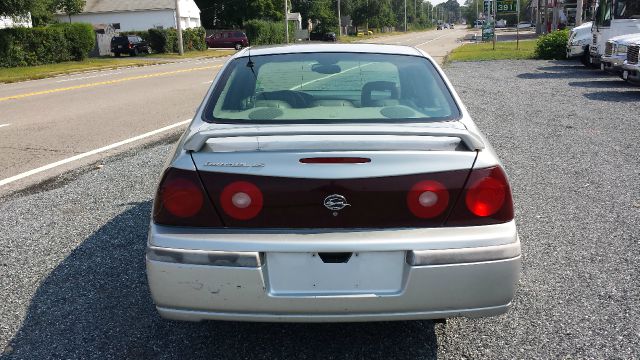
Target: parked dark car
228,39
330,36
129,44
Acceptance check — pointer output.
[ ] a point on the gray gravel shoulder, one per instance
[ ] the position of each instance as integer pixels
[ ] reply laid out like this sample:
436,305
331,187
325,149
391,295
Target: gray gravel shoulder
71,256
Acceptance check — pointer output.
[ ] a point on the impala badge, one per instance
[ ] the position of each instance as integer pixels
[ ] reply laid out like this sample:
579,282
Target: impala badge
335,202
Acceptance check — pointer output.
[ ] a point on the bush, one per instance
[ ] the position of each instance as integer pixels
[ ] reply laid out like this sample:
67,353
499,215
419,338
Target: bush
552,46
45,45
81,39
262,32
166,40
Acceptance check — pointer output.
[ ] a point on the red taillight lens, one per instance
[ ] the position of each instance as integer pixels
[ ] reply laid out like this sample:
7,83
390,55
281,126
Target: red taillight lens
181,197
486,199
181,201
486,196
241,200
428,199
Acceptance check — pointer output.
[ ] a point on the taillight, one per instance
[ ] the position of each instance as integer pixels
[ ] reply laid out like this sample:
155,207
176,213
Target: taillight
428,199
241,200
485,200
181,201
130,46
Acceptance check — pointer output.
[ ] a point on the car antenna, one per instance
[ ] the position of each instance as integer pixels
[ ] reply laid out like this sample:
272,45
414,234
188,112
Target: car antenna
250,64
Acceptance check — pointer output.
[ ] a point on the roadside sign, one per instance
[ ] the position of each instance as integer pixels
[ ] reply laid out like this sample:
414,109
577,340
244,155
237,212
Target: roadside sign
507,6
487,31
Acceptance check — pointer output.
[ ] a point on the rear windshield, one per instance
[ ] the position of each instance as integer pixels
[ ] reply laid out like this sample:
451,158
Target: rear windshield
330,87
120,39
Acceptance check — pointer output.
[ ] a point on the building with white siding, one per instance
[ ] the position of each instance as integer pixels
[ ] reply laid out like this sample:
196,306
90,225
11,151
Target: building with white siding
16,21
131,15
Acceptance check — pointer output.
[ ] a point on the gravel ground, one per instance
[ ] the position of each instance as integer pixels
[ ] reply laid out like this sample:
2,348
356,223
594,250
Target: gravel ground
71,252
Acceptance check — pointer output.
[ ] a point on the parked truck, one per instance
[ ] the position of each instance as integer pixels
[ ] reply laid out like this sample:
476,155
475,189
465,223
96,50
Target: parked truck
579,41
613,18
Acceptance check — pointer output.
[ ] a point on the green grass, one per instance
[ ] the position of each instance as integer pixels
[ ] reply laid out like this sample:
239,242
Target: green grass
352,38
10,75
484,51
195,54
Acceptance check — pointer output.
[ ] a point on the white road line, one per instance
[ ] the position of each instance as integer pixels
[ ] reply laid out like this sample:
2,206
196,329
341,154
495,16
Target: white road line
328,76
3,125
90,77
426,42
89,153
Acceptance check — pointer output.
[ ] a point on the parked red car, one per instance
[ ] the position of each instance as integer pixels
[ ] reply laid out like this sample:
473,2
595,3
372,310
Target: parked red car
228,39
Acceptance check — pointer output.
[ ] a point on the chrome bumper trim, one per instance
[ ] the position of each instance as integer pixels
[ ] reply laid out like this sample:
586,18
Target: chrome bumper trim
200,257
464,255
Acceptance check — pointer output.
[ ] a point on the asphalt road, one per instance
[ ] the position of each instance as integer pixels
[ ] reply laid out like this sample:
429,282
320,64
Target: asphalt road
46,121
71,252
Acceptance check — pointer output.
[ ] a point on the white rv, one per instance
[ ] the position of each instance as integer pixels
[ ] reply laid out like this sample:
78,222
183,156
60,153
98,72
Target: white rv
613,18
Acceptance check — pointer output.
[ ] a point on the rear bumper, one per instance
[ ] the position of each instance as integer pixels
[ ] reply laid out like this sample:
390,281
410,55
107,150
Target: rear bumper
436,281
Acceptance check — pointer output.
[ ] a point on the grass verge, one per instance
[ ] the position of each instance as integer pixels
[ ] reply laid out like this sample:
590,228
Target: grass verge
10,75
195,54
353,38
484,51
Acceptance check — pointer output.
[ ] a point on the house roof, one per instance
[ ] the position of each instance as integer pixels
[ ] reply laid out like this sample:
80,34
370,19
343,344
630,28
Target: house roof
101,6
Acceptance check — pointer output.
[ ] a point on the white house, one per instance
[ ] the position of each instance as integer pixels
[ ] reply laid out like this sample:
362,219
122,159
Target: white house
17,21
130,15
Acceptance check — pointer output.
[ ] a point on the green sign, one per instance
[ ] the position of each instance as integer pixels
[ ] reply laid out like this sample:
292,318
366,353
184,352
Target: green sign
487,31
507,6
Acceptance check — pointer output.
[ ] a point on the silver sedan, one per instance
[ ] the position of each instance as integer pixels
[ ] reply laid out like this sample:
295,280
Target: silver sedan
332,183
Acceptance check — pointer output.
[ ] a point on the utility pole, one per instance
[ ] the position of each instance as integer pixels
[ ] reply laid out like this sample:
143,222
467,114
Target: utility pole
579,6
538,18
339,21
179,28
405,15
546,17
286,22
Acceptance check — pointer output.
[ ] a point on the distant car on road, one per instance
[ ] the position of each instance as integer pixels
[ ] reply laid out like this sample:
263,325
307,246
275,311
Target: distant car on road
129,44
525,25
228,39
330,36
333,182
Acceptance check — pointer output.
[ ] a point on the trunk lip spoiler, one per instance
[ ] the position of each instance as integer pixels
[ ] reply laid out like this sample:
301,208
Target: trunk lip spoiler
197,140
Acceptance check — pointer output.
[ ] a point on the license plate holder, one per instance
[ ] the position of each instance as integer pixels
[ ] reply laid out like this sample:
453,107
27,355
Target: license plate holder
305,274
625,75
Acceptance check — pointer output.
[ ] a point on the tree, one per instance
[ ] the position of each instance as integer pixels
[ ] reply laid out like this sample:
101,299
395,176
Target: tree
16,7
69,7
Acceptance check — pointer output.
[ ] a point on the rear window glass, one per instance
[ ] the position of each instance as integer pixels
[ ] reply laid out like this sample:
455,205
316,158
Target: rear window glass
330,87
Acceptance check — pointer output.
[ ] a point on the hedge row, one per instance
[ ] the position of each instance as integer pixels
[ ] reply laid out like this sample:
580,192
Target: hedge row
262,32
552,46
45,45
166,40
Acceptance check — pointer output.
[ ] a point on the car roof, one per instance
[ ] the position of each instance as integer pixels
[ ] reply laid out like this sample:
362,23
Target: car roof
329,48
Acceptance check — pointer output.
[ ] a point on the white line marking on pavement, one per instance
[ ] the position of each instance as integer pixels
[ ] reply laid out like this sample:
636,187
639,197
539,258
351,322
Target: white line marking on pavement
426,42
90,77
3,125
89,153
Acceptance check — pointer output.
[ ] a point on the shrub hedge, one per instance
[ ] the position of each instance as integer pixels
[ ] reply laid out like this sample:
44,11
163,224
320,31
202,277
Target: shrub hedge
45,45
261,32
166,40
553,45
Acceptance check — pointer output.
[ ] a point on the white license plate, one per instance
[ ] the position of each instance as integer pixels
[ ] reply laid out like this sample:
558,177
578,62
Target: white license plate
305,274
119,46
602,66
625,75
